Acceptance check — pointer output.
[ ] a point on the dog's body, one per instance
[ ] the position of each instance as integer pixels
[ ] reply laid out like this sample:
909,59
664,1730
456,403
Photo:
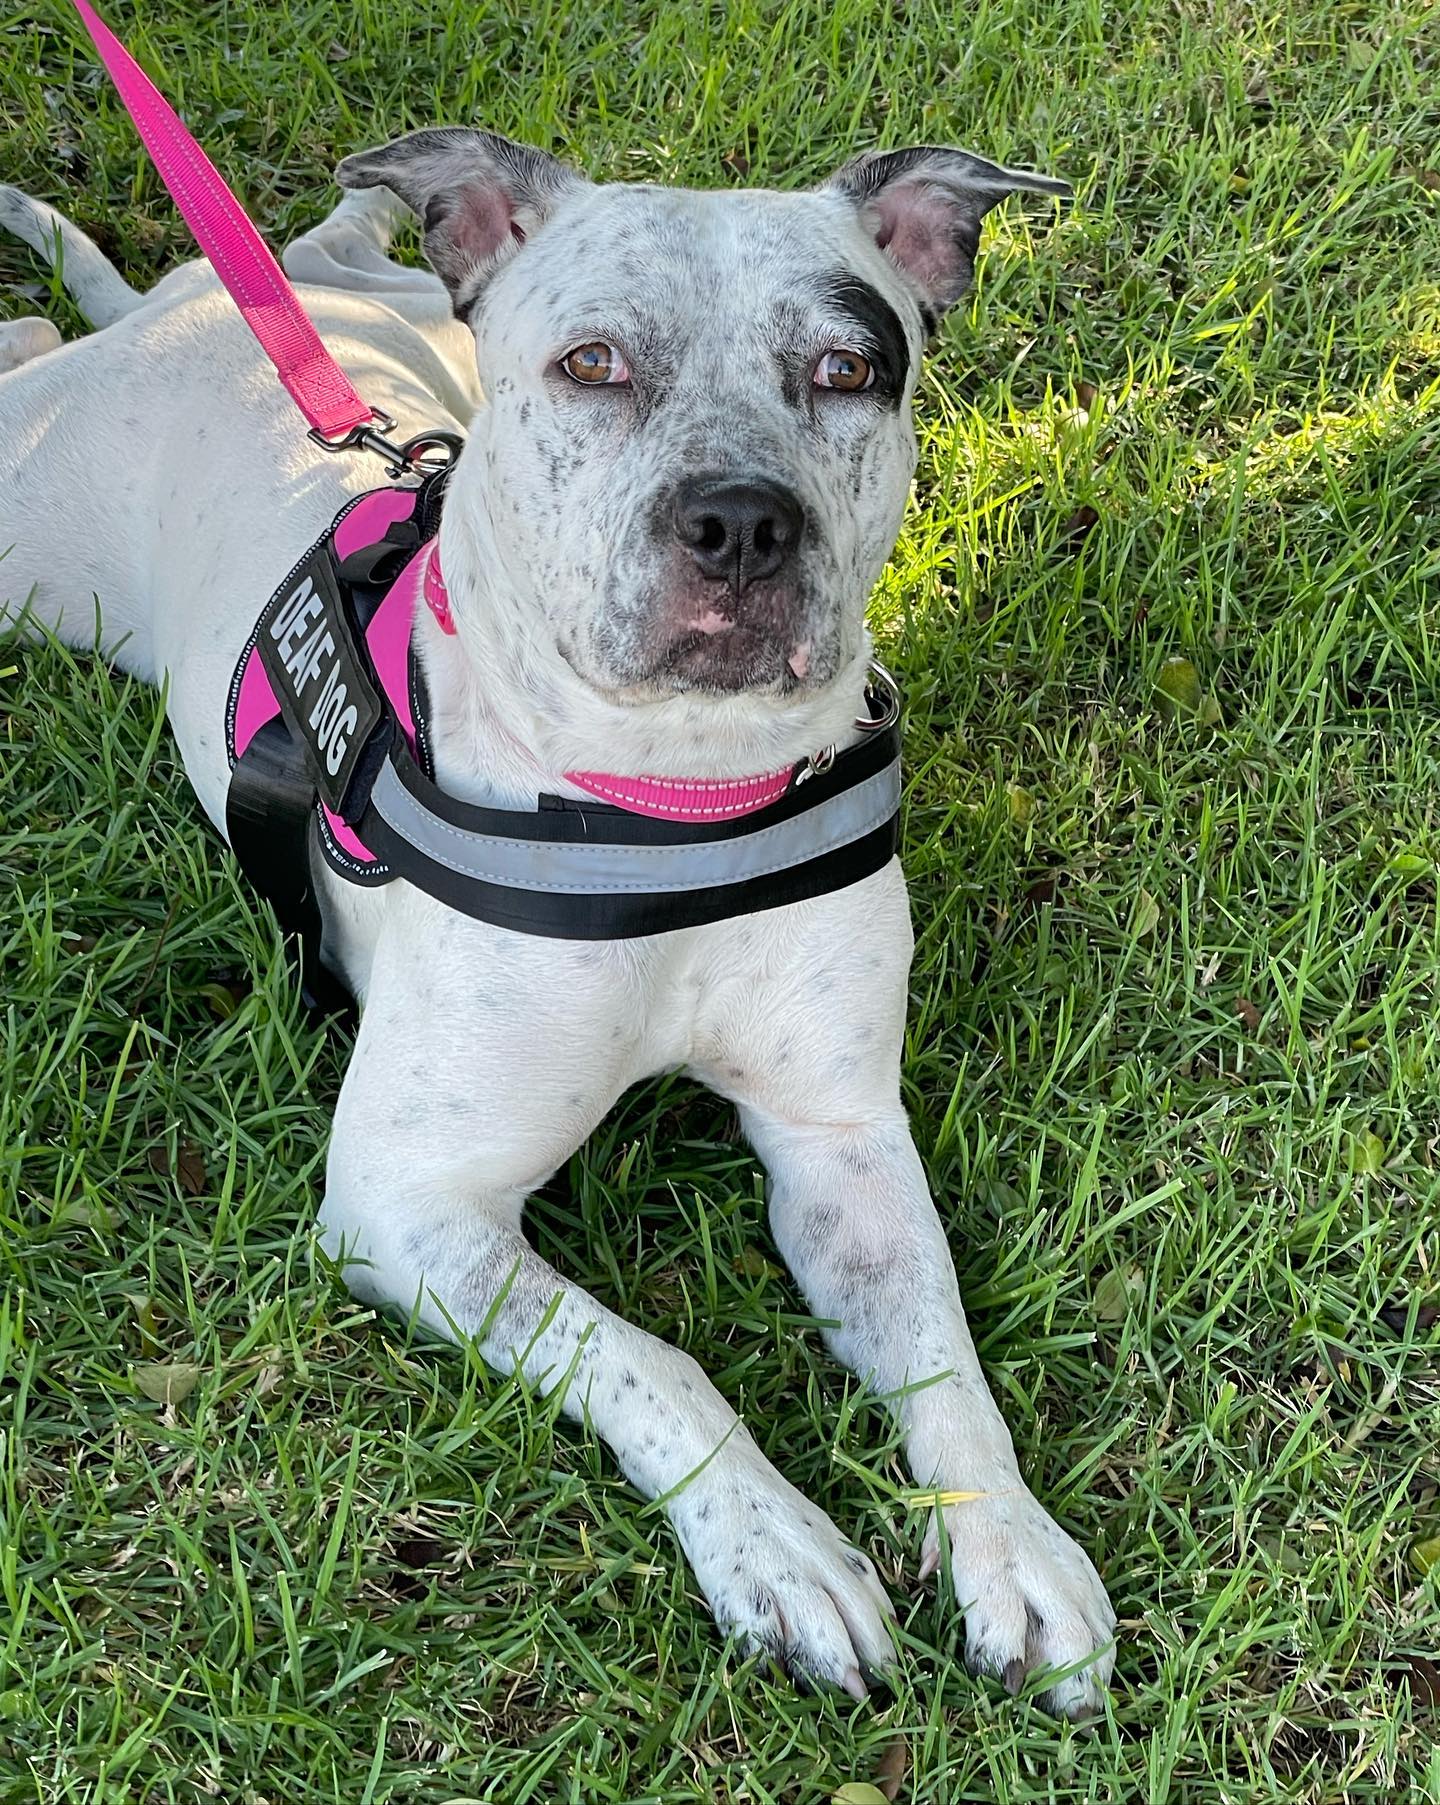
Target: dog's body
158,466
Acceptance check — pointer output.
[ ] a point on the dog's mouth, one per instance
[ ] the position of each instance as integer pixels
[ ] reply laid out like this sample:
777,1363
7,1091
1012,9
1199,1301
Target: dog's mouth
741,658
695,646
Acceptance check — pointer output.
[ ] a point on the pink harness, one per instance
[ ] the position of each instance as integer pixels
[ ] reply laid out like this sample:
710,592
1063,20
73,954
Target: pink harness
253,701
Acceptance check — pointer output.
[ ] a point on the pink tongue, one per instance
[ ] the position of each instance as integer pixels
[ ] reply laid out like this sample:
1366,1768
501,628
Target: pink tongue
711,621
800,659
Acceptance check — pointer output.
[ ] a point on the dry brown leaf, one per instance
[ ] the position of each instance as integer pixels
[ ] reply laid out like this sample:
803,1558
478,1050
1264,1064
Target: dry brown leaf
1077,528
1424,1681
1042,891
890,1774
187,1168
1396,1316
190,1169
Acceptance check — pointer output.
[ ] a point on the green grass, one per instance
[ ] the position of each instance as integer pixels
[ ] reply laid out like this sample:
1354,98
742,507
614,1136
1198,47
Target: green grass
1174,1057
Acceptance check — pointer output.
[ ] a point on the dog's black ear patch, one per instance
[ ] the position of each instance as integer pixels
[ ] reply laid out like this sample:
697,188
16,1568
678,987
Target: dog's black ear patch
924,206
479,195
882,335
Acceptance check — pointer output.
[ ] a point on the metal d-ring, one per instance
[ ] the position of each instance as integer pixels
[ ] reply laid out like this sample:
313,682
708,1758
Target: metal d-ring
816,765
883,686
880,684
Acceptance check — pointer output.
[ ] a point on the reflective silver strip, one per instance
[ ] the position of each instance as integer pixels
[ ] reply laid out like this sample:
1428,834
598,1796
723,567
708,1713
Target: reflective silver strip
588,869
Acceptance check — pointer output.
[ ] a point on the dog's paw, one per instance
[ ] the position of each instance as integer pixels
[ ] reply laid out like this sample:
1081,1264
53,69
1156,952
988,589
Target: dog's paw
20,340
781,1577
1032,1599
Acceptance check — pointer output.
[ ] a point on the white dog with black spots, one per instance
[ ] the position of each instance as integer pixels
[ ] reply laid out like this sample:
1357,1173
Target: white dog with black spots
689,446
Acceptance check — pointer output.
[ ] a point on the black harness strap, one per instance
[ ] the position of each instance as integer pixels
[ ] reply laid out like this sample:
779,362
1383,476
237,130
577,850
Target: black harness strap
272,818
270,823
569,910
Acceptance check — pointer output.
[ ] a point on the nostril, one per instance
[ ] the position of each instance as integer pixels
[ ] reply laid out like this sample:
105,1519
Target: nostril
737,532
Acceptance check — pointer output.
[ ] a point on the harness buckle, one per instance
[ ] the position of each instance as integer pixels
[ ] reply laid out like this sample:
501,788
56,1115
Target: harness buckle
399,459
816,765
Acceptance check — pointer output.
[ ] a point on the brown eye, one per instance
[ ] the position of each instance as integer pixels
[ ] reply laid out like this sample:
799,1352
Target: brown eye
846,370
595,364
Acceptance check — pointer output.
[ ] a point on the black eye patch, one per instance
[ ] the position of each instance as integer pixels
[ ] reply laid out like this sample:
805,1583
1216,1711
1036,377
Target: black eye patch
881,334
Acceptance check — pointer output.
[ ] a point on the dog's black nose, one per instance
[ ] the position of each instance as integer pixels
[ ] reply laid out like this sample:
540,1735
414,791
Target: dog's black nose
737,532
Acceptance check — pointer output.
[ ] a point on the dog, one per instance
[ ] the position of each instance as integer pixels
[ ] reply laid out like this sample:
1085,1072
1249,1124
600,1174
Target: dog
688,449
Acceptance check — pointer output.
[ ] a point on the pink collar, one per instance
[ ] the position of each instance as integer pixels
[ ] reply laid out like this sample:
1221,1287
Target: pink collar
664,798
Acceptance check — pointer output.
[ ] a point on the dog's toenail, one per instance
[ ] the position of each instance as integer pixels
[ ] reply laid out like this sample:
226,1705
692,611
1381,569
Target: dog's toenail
854,1685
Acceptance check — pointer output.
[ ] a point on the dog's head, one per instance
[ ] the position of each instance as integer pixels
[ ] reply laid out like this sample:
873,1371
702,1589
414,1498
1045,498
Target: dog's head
697,445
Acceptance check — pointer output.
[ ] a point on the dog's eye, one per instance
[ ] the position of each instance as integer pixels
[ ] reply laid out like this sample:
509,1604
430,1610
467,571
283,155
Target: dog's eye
846,370
595,364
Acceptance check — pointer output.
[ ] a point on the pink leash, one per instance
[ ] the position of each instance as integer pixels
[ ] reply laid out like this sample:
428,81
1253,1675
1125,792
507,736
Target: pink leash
319,387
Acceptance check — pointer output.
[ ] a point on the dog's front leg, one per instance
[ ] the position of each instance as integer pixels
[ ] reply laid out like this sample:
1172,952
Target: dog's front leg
803,1028
431,1160
852,1215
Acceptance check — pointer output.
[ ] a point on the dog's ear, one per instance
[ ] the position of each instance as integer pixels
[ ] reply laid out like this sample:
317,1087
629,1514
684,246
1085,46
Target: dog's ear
480,196
924,206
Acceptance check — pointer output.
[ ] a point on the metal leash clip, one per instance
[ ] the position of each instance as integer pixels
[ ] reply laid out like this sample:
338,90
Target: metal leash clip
399,459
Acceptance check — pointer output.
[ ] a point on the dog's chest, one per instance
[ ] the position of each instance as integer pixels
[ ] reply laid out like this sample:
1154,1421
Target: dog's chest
606,1011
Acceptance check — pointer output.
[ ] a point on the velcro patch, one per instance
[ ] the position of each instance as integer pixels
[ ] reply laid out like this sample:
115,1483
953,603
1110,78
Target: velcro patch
321,679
